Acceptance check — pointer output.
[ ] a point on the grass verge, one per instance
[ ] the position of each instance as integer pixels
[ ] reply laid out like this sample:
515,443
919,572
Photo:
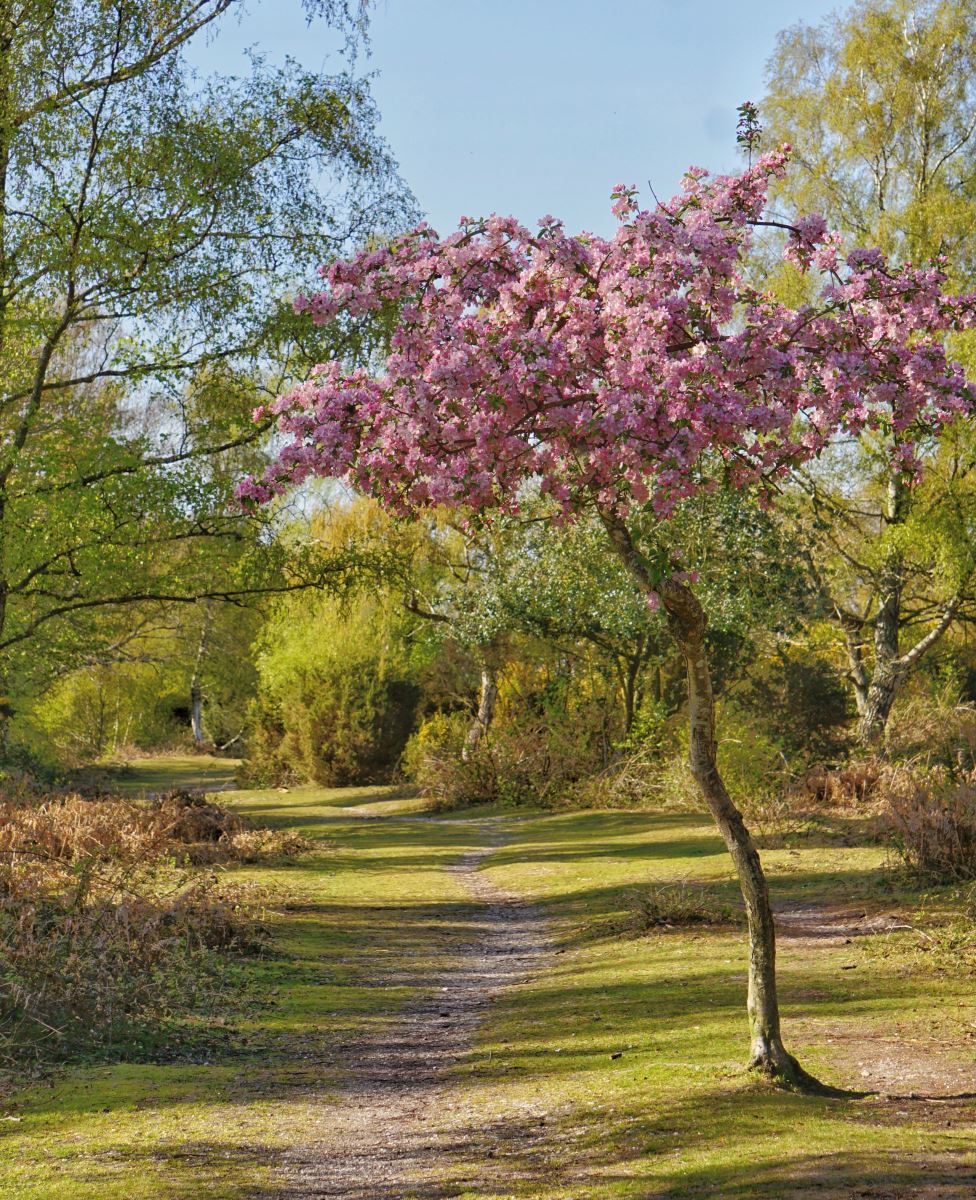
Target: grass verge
361,911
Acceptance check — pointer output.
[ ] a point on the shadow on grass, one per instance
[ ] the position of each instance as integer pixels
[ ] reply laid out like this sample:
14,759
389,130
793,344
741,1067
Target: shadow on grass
739,1147
348,969
747,1142
599,912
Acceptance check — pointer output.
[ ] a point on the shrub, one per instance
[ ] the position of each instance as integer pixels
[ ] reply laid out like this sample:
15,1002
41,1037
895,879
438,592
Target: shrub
270,760
679,904
802,703
931,817
634,779
106,938
856,787
525,759
933,728
100,956
180,824
432,762
338,695
656,773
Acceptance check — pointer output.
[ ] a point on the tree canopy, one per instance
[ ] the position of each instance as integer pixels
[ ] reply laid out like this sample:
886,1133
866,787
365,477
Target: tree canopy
879,105
613,372
150,222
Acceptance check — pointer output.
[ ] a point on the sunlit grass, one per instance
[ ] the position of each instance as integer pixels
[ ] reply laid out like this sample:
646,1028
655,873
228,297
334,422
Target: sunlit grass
368,897
165,772
637,1044
615,1073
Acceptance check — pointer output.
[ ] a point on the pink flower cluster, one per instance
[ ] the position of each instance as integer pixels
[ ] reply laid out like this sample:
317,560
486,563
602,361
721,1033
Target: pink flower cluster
608,369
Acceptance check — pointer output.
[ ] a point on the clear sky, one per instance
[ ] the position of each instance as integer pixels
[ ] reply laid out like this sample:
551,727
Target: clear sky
540,106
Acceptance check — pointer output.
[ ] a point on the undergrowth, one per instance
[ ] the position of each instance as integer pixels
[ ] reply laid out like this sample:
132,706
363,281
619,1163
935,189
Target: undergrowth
939,937
115,921
674,905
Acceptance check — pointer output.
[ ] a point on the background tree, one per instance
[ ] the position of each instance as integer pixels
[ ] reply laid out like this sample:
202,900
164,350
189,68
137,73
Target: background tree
879,104
338,688
150,222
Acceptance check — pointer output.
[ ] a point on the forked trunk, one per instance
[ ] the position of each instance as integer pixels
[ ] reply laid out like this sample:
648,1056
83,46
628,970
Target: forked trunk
876,709
487,697
876,699
686,620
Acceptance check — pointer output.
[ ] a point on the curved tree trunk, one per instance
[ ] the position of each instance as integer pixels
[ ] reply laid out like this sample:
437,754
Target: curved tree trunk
487,697
686,620
768,1055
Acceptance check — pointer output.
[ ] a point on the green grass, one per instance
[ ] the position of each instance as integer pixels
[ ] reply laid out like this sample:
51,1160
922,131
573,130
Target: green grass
210,1128
630,1048
637,1044
170,771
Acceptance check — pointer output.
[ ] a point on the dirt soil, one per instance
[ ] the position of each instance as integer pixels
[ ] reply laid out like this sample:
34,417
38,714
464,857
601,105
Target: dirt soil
910,1061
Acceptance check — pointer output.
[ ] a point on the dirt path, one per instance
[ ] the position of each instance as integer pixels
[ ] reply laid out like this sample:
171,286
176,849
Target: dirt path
398,1122
911,1059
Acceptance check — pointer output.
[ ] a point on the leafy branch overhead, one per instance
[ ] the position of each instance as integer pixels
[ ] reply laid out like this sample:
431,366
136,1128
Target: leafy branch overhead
150,222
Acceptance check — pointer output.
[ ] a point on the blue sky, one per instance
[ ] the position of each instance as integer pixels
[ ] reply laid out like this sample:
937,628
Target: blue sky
540,106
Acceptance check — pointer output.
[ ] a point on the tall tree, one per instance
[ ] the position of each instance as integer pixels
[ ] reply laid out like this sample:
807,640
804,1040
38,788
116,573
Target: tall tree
150,222
879,104
615,372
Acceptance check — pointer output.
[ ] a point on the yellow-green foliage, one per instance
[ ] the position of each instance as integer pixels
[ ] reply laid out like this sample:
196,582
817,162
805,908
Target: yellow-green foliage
97,711
337,691
877,103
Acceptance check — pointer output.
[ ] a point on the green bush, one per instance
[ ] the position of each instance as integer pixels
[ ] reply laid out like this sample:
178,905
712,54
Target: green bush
337,696
528,757
802,703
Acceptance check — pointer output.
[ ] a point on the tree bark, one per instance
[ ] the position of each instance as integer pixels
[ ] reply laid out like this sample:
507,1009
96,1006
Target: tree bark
876,692
876,707
887,626
487,697
196,712
686,620
631,687
196,690
768,1054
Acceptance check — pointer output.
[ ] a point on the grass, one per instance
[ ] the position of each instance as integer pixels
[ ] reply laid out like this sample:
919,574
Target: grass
616,1073
210,1128
637,1045
167,772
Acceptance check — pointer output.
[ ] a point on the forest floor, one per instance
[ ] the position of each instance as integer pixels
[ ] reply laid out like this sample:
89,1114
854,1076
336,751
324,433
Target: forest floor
457,1009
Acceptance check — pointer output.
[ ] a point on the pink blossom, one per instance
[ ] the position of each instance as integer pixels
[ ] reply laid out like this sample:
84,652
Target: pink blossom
608,369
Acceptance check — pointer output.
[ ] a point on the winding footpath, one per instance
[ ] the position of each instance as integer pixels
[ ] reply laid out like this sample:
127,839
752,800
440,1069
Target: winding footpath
398,1122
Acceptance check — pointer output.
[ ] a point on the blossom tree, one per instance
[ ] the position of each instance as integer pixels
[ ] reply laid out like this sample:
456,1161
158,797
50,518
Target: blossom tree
611,373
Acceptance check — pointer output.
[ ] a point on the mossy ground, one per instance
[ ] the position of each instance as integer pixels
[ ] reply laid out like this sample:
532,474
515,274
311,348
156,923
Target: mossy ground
616,1073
